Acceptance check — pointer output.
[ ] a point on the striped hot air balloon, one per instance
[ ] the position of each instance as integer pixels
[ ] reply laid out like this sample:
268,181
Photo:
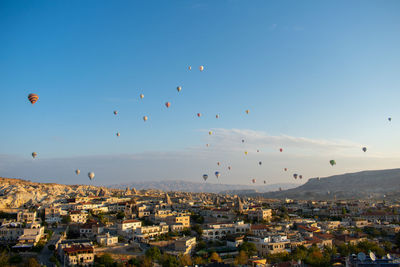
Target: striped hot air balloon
33,98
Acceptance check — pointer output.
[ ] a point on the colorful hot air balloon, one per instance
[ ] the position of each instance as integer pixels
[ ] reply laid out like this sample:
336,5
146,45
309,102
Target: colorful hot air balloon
332,162
281,149
115,112
205,176
364,149
91,175
168,104
210,133
77,172
201,68
145,118
34,154
295,176
253,181
217,174
179,88
199,115
247,111
260,163
118,134
217,116
33,98
141,96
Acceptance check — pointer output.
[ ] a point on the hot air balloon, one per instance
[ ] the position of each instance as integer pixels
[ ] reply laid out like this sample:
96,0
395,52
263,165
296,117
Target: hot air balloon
168,104
210,133
91,175
253,181
364,149
34,154
332,162
77,172
205,176
141,96
179,88
145,118
118,134
217,174
201,68
260,163
217,116
245,152
389,119
301,176
115,112
281,149
265,182
247,111
295,176
285,169
218,163
33,98
199,115
190,67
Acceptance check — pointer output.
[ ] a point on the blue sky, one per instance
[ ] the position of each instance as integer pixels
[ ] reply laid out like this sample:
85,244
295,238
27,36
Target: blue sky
325,74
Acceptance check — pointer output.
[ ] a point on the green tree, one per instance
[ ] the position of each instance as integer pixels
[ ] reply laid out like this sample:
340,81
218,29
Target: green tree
241,258
4,258
16,259
185,260
397,239
198,260
201,245
249,248
197,228
32,262
105,260
388,246
153,253
120,215
215,257
66,219
169,261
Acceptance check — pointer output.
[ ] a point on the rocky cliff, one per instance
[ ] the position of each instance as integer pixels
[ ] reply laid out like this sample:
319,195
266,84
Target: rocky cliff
15,193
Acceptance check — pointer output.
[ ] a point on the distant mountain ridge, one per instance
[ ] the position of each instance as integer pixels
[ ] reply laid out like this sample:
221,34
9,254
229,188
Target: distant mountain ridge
186,186
364,184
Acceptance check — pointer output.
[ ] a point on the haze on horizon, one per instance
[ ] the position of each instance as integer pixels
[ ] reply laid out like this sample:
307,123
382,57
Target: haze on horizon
320,80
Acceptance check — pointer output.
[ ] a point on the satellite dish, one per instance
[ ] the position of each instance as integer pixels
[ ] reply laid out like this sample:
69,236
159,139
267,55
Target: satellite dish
372,256
361,256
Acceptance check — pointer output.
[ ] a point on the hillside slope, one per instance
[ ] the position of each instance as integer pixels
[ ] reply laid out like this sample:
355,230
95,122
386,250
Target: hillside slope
379,184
